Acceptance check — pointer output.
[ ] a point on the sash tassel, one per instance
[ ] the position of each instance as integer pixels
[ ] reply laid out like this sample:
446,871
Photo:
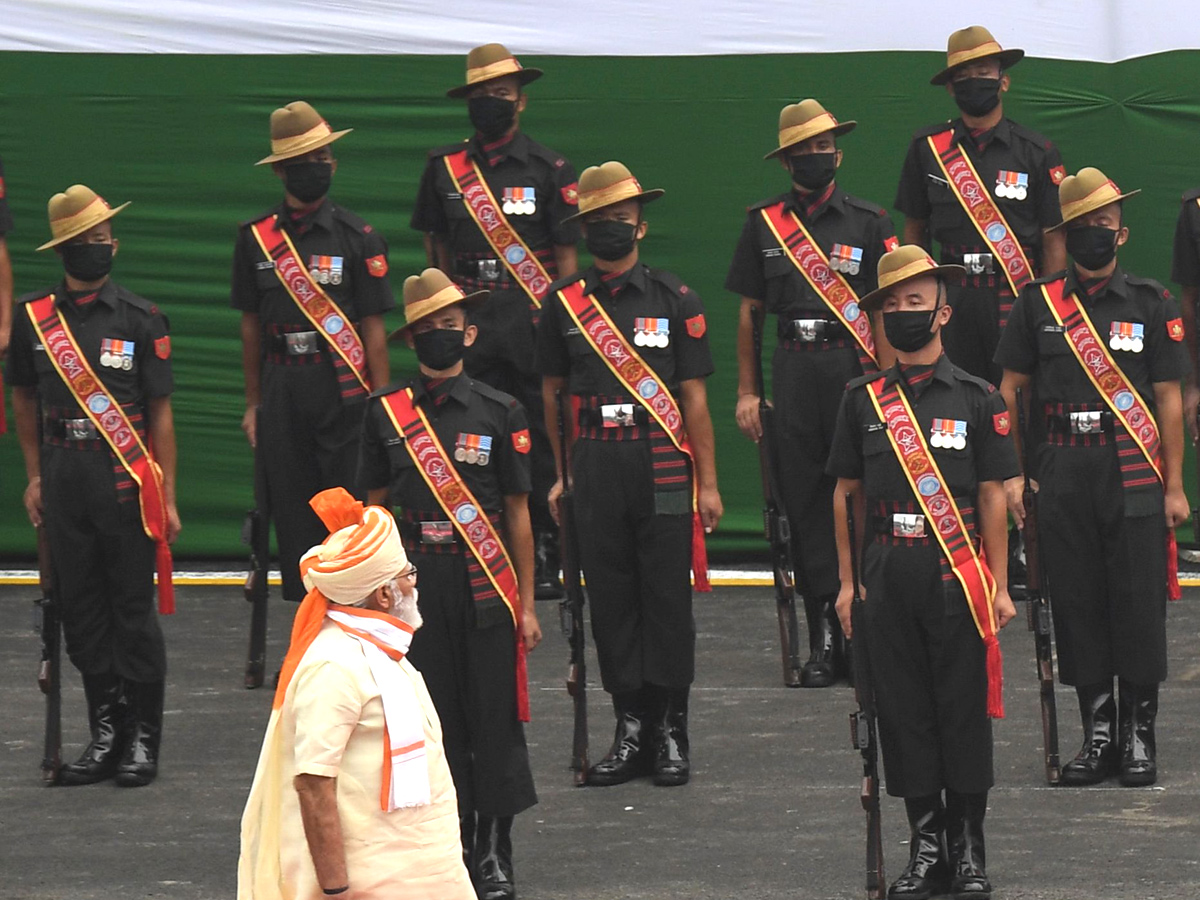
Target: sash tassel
995,677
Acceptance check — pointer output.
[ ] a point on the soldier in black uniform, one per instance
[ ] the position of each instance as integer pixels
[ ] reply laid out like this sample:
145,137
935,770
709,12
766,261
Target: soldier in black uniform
6,280
534,188
1020,168
466,649
1104,512
928,661
816,353
633,488
1185,272
303,401
80,492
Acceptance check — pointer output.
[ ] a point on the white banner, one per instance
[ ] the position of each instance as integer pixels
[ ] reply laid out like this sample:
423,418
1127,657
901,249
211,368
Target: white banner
1103,30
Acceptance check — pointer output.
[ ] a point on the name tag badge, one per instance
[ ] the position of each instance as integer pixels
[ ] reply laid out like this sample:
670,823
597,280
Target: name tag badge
847,259
519,201
1012,185
651,332
1052,329
326,269
116,354
1127,336
772,252
948,434
473,449
264,265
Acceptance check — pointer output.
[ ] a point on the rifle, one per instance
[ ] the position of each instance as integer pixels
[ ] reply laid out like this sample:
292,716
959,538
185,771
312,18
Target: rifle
1038,608
570,608
775,521
1191,552
863,732
256,534
49,626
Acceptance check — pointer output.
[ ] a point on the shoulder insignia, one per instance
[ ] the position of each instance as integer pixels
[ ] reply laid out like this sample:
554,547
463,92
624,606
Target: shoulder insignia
890,243
493,394
1028,134
521,441
355,221
859,203
1001,423
135,301
696,326
570,194
162,347
669,279
1057,174
377,266
1175,329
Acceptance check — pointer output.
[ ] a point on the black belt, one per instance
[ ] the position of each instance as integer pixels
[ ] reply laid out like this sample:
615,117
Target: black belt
481,269
1081,422
613,415
815,330
70,429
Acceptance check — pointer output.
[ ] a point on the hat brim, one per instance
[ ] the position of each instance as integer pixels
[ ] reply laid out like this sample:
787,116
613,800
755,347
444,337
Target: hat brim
317,144
470,301
1084,212
1008,59
872,301
74,233
838,130
644,197
524,75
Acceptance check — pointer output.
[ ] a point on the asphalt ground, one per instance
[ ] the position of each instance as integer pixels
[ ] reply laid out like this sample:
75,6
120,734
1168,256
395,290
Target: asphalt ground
772,810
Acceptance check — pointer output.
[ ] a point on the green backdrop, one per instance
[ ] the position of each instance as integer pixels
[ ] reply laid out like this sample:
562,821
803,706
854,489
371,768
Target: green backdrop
178,135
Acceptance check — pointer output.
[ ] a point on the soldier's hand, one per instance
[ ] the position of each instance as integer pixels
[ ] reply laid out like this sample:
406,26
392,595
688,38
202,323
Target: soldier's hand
33,501
250,425
1014,496
1005,610
747,416
5,337
711,508
531,631
1191,401
553,497
845,598
174,525
1178,508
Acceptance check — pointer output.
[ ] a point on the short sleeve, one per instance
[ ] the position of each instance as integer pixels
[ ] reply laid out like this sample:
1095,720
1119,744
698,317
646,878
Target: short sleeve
1168,349
6,222
374,466
845,454
693,357
553,358
745,277
512,466
373,291
243,287
1017,350
19,370
563,203
1051,174
995,453
428,215
1185,258
327,708
912,195
154,357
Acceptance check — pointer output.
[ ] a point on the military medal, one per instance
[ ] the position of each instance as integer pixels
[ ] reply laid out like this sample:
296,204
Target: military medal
325,269
519,201
651,332
847,259
948,434
116,354
1127,336
473,449
1012,185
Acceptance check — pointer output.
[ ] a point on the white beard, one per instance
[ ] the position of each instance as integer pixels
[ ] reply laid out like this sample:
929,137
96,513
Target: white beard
406,610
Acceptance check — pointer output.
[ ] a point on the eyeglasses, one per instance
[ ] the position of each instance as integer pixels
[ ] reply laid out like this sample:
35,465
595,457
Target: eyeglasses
410,572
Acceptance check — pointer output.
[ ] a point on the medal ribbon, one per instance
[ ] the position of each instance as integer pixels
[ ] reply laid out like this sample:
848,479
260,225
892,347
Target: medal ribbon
461,508
830,286
983,212
641,381
112,423
481,204
929,487
318,307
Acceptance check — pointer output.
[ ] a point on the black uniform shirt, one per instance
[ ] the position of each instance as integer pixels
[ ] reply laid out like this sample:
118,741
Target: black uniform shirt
6,222
521,163
924,194
115,314
861,448
763,270
1033,343
642,293
1185,262
469,408
349,255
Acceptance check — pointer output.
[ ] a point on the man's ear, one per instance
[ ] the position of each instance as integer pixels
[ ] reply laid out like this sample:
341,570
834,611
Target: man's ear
408,339
116,244
1005,81
522,98
469,334
1122,235
837,158
642,227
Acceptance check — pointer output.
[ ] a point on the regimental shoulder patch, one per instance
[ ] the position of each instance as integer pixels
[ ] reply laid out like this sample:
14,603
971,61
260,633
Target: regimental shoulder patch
891,243
1002,423
377,266
521,442
1,188
1057,174
1175,329
696,326
570,194
162,347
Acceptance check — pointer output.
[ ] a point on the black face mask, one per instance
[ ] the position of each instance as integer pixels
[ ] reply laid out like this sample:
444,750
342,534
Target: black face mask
440,349
1092,246
977,96
308,181
813,171
87,262
610,240
909,330
491,116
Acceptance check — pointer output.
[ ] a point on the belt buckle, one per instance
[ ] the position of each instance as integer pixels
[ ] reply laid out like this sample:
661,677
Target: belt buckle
614,415
79,430
437,533
301,343
809,330
908,525
489,270
979,263
1085,422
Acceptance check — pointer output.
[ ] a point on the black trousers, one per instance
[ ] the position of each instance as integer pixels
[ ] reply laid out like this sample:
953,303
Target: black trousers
973,332
930,673
1104,553
310,442
470,673
636,554
104,565
807,388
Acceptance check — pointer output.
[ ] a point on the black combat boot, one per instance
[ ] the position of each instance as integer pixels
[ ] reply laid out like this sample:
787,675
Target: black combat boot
106,719
466,831
493,873
630,754
819,671
546,566
1097,757
1138,709
139,764
964,834
671,765
925,874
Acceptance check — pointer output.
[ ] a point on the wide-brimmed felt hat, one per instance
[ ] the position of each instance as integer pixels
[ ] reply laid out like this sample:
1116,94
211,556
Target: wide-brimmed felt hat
609,183
801,121
492,61
297,129
972,43
74,211
905,262
429,292
1085,192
